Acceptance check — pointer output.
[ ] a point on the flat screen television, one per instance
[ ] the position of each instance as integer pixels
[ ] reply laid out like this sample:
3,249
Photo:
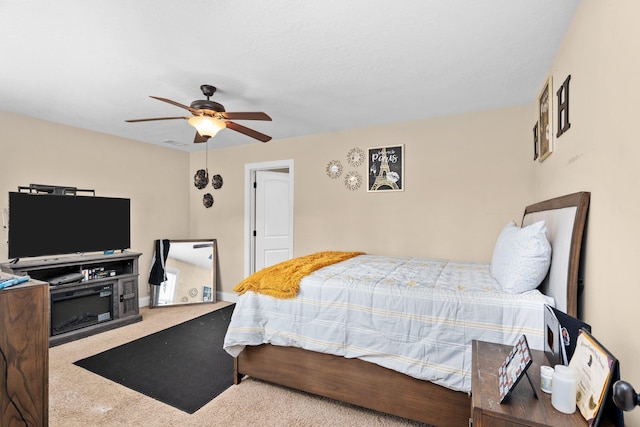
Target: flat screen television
52,224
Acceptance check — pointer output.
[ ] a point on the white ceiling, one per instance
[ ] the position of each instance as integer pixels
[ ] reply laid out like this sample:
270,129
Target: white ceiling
313,66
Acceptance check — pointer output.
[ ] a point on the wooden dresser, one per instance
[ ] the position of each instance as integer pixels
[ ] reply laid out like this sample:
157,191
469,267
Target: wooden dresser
24,358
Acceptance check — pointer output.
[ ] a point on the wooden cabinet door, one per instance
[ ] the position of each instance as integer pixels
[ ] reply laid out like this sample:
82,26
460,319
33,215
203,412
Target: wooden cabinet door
24,358
128,296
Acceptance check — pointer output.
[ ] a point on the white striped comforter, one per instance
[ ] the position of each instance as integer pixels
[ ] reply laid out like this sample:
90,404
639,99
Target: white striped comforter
414,315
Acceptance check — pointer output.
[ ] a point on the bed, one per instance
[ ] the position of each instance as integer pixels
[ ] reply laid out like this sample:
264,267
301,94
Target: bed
417,386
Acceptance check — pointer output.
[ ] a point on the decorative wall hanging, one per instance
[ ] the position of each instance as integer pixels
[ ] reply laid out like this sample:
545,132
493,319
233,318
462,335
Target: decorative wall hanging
207,200
355,157
352,180
201,179
545,120
563,107
216,182
536,149
334,169
386,168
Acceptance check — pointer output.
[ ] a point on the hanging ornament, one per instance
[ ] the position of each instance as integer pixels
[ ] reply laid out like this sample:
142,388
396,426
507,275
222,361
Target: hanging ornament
216,181
207,200
201,179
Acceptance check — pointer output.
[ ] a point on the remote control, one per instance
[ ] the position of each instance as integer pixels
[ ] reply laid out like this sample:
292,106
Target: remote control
13,281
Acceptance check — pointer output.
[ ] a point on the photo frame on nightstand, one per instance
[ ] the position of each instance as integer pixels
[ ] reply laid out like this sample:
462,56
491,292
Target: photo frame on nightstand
514,368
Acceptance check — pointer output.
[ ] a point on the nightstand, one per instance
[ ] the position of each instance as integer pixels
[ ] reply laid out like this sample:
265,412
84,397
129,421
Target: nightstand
521,408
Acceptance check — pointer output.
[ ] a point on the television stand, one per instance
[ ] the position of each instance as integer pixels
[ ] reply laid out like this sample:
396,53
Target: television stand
104,295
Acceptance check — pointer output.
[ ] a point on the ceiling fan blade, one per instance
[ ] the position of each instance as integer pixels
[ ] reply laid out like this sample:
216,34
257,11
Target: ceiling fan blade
245,116
199,138
249,132
177,104
156,118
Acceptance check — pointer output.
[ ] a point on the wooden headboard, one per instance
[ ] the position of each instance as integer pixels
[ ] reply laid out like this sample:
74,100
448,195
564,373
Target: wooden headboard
565,218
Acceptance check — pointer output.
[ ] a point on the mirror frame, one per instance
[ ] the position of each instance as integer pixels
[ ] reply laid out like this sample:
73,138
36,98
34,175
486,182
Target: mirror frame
154,290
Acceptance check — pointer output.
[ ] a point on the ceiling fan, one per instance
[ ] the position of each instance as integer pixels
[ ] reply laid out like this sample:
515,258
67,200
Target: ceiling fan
209,117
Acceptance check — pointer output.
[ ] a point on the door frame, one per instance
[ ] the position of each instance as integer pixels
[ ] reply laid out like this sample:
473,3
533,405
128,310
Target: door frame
249,206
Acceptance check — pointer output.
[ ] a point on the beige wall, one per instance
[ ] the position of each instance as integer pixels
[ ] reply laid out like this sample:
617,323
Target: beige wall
154,178
601,153
465,177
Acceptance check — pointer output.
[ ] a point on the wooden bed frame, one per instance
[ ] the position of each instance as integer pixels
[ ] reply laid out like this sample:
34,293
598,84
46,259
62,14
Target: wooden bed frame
371,386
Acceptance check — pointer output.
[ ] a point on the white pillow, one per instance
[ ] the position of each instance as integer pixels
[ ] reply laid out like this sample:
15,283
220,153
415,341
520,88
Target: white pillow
521,257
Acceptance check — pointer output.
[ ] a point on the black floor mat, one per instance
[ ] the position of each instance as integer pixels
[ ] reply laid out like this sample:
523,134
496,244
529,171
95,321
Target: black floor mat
184,366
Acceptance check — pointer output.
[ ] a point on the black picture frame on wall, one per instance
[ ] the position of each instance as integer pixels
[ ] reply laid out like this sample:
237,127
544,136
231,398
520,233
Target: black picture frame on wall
536,148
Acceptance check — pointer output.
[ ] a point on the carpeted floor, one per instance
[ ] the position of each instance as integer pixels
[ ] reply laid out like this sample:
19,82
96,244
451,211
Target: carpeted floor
79,398
183,366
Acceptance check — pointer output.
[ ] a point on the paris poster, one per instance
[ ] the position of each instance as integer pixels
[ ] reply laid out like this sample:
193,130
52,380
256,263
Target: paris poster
386,169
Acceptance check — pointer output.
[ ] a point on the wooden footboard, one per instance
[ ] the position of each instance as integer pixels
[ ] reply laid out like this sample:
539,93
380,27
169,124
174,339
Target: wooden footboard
356,382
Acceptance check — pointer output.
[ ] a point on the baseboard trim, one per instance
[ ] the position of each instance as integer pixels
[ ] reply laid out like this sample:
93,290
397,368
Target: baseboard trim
144,301
220,296
227,296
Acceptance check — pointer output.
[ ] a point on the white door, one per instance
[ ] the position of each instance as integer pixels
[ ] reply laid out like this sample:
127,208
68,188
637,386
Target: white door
273,231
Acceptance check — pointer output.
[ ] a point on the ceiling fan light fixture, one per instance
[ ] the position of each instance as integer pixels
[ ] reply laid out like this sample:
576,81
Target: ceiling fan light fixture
207,126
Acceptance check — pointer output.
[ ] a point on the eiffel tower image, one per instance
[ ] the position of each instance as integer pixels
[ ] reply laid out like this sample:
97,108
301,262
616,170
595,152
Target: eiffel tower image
382,179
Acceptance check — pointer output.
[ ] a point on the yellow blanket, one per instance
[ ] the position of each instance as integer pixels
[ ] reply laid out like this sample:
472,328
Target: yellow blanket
283,280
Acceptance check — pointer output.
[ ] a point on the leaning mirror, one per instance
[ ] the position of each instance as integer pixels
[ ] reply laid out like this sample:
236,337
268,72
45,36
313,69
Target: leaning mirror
190,269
